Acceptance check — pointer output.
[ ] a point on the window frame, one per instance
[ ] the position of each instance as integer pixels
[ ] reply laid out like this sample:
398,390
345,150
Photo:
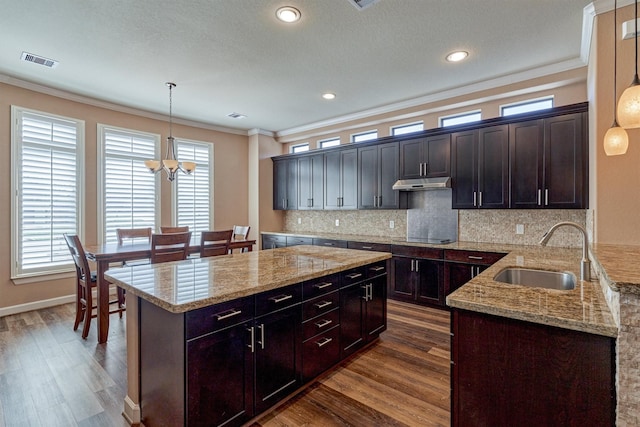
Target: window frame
354,136
101,132
525,103
18,274
195,235
442,119
321,142
393,129
293,148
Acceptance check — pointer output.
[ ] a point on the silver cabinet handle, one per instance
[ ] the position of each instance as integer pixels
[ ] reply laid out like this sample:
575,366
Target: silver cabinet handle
354,275
366,292
413,263
479,198
546,197
322,285
426,169
329,244
474,199
539,197
475,257
379,201
227,314
324,341
252,339
324,322
280,298
417,266
261,342
377,268
420,169
322,304
367,247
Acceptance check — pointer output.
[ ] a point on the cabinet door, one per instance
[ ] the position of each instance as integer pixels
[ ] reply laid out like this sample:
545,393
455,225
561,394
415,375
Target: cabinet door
349,179
351,316
220,378
270,241
332,180
525,161
564,162
403,285
285,188
310,182
368,177
430,287
376,308
437,156
493,167
411,158
388,165
277,356
456,275
464,169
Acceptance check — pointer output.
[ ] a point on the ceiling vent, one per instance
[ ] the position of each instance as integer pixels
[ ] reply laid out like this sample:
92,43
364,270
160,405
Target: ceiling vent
362,4
236,115
30,57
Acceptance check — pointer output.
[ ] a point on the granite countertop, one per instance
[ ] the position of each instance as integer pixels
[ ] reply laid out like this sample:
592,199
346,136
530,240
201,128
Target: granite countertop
199,282
582,309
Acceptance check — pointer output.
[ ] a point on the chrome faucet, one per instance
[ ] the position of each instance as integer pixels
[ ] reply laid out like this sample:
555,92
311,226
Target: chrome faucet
585,266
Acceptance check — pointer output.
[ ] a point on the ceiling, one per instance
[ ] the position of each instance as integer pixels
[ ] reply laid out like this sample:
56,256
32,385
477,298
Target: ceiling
234,56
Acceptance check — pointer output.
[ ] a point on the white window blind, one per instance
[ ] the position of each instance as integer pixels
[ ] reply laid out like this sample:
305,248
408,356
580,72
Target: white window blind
128,189
193,198
47,170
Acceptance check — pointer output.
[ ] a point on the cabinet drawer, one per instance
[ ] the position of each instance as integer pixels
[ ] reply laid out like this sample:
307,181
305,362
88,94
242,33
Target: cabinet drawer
320,286
294,241
330,243
354,275
417,252
321,323
472,257
320,353
320,305
219,316
377,269
278,299
380,247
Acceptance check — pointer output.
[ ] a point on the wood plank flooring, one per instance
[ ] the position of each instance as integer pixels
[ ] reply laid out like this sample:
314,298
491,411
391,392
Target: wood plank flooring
50,376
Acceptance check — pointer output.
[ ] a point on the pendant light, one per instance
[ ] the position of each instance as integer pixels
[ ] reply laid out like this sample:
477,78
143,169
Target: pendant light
629,103
616,140
170,165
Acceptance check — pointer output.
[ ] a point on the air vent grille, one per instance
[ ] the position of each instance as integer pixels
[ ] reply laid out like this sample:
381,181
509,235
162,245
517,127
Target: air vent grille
236,115
40,60
362,4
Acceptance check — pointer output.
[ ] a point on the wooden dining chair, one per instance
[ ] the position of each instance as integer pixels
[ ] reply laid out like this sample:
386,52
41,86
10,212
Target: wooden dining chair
86,280
165,230
134,235
241,232
170,247
213,243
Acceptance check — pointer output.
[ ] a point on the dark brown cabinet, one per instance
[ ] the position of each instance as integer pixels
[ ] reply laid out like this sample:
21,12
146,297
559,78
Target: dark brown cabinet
508,372
310,182
480,168
377,172
425,157
285,184
462,266
272,241
330,242
547,161
341,179
417,275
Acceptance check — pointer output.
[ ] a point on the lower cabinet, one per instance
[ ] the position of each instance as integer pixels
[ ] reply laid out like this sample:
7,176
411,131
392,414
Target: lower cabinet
462,266
508,372
417,275
272,241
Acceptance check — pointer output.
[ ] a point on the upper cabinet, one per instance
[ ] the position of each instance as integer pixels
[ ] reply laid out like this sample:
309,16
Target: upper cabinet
341,179
285,184
310,181
480,169
548,163
425,157
377,172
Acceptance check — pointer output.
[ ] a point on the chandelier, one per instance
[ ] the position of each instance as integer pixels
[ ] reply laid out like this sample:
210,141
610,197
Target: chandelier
170,165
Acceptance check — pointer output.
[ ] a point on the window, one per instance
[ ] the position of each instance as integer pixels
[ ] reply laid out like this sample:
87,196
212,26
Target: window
458,119
47,172
193,195
408,128
364,136
128,192
299,148
526,107
331,142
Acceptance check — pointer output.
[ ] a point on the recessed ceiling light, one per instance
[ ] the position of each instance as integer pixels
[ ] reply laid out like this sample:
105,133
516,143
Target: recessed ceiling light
457,56
288,14
329,95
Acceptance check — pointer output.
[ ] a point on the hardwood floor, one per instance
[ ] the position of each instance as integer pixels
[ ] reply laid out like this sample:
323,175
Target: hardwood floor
50,376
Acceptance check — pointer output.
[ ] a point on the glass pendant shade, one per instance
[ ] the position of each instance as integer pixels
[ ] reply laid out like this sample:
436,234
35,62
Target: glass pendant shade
629,106
616,141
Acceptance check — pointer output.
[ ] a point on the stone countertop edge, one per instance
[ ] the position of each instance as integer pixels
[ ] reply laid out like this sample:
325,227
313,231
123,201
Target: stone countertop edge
345,263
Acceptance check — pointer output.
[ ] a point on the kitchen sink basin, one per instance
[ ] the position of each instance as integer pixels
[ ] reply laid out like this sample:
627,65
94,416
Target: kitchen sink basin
537,278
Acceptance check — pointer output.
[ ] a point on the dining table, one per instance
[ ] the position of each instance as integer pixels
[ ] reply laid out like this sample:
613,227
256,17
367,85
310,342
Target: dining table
109,253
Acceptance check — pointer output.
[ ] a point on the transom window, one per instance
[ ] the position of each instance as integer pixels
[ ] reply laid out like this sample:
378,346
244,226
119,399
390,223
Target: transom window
299,148
459,119
526,106
330,142
47,172
364,136
408,128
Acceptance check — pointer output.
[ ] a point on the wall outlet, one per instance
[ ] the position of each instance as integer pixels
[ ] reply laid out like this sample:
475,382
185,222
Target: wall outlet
392,224
337,223
299,220
519,228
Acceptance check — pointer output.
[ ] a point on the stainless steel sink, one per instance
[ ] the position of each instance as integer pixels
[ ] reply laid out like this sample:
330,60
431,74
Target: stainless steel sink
563,281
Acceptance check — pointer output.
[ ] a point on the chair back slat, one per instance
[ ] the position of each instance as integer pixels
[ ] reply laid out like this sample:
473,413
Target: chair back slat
166,230
169,247
241,232
79,257
213,243
134,234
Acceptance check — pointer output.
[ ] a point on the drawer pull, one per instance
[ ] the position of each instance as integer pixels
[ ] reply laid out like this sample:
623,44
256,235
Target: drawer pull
376,269
329,244
227,314
280,298
354,275
324,342
323,304
322,285
367,247
324,322
475,257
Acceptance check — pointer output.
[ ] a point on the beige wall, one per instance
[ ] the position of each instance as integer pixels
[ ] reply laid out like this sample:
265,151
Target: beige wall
230,188
617,179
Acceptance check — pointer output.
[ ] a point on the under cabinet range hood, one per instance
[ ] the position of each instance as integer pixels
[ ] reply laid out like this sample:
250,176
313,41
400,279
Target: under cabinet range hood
420,184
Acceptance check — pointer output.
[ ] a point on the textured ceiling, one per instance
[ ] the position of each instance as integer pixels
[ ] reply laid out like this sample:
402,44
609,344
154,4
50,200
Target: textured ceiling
233,55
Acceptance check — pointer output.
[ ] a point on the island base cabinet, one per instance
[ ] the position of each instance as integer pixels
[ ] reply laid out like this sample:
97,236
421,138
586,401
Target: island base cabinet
508,372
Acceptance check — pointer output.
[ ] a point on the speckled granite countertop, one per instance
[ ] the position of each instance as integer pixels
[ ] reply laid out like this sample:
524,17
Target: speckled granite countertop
188,285
619,265
582,309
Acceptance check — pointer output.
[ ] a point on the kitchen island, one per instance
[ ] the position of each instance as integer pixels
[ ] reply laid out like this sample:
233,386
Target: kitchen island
219,340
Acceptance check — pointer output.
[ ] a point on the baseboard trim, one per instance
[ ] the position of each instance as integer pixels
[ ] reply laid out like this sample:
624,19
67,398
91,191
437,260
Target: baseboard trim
36,305
131,411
